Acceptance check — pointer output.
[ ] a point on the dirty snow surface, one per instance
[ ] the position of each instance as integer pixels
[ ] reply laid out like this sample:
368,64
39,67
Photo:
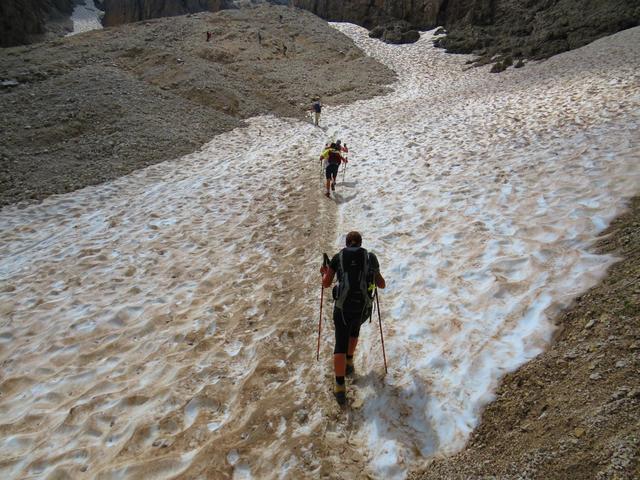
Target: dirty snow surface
164,325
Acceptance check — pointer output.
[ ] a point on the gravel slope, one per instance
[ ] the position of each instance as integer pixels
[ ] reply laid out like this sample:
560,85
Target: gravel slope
95,106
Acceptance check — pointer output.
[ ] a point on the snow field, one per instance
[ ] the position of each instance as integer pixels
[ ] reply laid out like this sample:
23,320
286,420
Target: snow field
157,325
481,195
86,17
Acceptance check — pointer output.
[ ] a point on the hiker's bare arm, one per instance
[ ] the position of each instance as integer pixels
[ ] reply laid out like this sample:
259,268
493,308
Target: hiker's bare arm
380,283
327,276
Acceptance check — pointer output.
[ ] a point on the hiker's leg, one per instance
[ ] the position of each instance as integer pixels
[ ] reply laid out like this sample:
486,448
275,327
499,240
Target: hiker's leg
342,343
353,343
340,365
334,174
327,176
354,333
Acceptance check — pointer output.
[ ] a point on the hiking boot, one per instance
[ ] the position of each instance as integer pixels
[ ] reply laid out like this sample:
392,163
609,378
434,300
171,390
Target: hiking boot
327,194
340,392
333,186
350,370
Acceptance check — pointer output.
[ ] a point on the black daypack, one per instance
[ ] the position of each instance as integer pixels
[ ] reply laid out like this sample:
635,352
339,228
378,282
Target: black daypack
354,291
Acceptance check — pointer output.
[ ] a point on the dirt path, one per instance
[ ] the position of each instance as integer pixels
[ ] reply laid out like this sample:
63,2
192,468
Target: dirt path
221,259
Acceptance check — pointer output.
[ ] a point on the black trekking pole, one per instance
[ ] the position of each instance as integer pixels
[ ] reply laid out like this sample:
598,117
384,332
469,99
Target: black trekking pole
346,157
325,262
384,356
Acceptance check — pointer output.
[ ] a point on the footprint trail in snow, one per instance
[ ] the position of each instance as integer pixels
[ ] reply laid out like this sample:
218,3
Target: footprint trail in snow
164,324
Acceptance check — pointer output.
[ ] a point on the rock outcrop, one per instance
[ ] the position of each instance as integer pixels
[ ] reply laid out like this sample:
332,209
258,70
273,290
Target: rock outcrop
420,13
396,32
118,12
22,20
521,29
537,28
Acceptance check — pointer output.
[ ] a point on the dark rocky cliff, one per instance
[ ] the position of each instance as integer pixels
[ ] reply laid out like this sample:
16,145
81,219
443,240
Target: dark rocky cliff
518,28
118,12
423,14
22,20
538,28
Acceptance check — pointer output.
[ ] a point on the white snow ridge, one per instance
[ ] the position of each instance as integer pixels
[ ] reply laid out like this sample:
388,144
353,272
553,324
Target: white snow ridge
154,326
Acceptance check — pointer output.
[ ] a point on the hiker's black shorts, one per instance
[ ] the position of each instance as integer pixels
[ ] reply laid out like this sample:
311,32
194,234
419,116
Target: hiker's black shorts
350,327
332,170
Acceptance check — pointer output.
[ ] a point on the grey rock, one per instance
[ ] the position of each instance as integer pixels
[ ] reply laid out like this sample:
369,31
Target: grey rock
9,83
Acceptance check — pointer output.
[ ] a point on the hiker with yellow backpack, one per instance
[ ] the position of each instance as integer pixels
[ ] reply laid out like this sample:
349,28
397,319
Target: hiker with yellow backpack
332,158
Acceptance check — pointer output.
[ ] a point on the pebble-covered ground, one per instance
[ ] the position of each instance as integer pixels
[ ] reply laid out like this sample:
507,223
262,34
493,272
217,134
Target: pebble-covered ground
97,105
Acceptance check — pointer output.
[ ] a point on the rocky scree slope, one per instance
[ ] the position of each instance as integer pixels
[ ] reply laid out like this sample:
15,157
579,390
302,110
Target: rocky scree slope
92,107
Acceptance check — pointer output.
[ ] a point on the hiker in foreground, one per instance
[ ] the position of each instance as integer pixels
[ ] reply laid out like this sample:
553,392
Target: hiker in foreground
358,275
333,159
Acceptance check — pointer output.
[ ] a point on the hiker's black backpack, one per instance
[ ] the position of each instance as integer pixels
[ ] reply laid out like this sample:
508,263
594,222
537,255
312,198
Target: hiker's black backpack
354,291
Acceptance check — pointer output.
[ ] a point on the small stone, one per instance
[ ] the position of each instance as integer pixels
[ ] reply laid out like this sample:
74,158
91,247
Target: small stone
579,432
590,324
619,394
595,376
621,364
635,393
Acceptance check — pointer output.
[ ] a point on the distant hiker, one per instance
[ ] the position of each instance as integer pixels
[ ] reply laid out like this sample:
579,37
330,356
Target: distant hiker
343,148
333,160
358,275
209,36
316,107
344,151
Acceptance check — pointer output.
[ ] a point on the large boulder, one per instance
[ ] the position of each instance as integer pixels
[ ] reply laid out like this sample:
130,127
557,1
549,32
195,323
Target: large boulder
399,32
